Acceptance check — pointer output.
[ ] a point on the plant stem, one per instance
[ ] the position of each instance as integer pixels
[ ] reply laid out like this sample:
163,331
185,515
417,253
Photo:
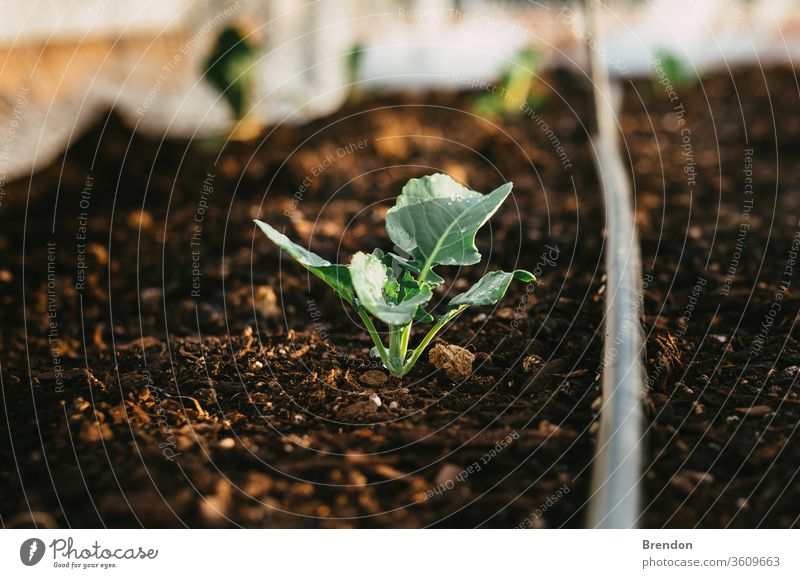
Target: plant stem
450,315
399,336
396,352
373,333
404,342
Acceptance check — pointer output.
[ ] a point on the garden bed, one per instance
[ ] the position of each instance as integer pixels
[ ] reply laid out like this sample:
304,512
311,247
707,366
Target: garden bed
200,379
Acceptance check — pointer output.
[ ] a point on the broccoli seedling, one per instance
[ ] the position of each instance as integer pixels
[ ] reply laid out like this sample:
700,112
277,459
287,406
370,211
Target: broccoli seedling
355,60
434,223
517,89
677,71
231,69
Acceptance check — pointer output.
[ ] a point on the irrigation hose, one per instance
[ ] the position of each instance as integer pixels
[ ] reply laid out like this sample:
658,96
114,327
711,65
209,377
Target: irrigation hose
615,497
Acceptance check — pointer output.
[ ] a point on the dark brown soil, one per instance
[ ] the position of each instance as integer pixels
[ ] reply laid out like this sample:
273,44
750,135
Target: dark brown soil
132,401
724,398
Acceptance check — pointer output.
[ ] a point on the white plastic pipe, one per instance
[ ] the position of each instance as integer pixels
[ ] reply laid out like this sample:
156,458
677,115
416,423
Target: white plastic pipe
615,490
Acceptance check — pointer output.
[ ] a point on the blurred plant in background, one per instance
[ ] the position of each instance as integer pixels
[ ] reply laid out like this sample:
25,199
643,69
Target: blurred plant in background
517,87
679,72
230,68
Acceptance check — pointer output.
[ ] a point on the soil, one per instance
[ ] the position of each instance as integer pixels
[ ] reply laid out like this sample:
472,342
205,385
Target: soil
723,299
164,366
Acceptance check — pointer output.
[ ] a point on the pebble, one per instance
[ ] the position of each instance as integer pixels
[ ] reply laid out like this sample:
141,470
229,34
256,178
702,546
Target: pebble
375,398
151,296
265,302
139,219
374,378
455,361
532,363
688,480
756,410
790,372
447,473
505,313
93,431
357,411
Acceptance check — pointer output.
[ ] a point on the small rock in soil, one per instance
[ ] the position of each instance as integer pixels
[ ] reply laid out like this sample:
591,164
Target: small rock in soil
357,411
532,363
688,480
790,373
215,508
374,378
505,313
95,432
455,361
375,398
151,297
756,410
448,473
265,301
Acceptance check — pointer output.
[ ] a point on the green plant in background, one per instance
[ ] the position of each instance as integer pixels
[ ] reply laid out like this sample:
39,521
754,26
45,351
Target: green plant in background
516,88
434,222
355,60
679,73
230,67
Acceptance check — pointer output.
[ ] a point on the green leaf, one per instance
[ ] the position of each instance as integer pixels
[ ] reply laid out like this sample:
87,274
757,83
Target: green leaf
231,69
437,219
369,276
679,73
415,265
490,289
518,84
337,276
422,316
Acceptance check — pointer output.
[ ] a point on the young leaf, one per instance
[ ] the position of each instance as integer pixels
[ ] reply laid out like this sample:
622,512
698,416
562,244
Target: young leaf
520,89
415,265
337,276
422,316
679,73
369,276
438,218
231,69
490,289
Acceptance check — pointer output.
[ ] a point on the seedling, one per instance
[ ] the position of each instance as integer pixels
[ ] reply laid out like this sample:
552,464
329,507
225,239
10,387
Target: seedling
230,68
677,71
518,89
433,223
355,61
